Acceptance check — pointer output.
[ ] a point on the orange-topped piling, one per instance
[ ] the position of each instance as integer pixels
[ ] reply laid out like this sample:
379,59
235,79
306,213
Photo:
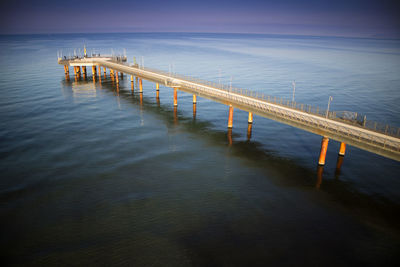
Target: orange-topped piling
230,117
94,71
194,99
140,86
66,69
175,97
250,119
324,148
157,90
342,150
116,77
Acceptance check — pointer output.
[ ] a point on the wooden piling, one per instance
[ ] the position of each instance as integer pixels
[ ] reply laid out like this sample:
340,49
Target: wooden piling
230,117
324,148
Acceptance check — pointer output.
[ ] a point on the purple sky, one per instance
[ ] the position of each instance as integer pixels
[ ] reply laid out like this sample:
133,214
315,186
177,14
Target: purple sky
359,18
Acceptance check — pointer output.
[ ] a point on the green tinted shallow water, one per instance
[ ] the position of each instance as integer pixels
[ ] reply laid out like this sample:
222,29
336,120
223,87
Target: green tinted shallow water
92,176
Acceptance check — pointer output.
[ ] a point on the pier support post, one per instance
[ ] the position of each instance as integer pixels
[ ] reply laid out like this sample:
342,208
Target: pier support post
140,86
175,97
99,71
194,99
157,90
194,110
94,71
131,78
132,87
230,117
122,75
324,148
342,150
250,120
105,72
84,70
116,77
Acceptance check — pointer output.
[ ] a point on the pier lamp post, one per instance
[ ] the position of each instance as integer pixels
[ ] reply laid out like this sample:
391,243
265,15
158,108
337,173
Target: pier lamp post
294,89
329,102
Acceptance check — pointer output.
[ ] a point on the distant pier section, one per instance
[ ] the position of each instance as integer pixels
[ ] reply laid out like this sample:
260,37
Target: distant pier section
348,128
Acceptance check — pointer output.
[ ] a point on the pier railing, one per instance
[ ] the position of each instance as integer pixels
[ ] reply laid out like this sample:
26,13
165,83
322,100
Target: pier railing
351,118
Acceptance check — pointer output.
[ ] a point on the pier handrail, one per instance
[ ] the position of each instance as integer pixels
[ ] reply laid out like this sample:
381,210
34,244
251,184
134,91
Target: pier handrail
342,116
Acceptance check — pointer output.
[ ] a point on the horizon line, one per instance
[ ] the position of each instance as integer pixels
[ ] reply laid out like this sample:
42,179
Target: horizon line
186,32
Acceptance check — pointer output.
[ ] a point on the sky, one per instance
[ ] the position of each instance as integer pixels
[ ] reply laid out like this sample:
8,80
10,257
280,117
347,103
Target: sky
352,18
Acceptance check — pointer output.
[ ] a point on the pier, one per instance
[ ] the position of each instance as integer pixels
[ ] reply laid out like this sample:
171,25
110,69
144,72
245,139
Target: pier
348,128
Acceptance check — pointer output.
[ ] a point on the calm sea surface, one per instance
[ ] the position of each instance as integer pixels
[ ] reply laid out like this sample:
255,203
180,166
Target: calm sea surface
92,176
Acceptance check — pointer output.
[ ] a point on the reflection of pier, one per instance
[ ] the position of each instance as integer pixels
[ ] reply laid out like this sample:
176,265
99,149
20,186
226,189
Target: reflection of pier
327,124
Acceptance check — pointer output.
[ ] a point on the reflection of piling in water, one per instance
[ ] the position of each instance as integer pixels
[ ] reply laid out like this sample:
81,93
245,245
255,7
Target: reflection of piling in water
140,86
132,87
339,163
320,171
249,126
175,115
194,110
141,99
229,135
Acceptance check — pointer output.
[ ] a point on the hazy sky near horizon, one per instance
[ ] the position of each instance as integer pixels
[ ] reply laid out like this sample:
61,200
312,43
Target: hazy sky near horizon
358,18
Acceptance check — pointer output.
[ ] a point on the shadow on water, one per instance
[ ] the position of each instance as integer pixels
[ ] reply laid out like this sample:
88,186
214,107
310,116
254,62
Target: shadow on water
286,172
